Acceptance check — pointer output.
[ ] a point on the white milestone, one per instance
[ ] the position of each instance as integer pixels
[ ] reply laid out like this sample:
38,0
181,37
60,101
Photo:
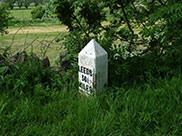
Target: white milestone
93,68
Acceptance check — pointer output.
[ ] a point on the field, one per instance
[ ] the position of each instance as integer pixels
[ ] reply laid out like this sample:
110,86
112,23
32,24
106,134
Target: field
34,37
21,14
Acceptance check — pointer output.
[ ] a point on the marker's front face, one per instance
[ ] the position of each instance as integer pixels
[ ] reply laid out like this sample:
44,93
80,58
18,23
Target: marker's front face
86,79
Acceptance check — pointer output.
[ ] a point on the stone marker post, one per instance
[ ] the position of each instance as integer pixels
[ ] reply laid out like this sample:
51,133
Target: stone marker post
93,68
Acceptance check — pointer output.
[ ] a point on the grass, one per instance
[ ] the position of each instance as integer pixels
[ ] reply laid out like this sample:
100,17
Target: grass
43,30
61,110
24,40
23,17
21,14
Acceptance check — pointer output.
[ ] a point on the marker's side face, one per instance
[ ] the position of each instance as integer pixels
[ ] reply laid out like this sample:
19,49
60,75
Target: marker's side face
102,72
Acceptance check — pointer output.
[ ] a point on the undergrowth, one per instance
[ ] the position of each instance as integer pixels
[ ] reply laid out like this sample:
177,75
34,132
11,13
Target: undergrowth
38,101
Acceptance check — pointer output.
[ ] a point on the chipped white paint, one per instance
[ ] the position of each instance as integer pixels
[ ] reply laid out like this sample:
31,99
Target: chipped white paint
93,68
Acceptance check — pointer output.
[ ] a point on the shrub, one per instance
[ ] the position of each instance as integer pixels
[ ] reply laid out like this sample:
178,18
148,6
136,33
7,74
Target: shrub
153,25
4,18
38,12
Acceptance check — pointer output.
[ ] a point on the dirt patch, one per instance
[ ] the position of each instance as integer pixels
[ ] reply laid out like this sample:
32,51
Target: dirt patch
38,29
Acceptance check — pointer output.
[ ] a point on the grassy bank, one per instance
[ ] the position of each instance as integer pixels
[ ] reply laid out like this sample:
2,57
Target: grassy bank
36,101
153,111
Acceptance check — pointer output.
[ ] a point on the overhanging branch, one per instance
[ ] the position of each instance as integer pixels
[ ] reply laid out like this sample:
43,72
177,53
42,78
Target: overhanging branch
129,26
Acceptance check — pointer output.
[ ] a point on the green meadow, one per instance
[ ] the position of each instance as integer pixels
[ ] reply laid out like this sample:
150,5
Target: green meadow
21,14
34,42
33,35
143,96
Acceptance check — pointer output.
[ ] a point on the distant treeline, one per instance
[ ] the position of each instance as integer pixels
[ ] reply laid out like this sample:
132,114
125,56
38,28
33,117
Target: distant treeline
22,3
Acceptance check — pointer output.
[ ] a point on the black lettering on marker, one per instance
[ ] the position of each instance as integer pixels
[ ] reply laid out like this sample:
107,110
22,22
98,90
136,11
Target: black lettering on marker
85,87
90,72
85,70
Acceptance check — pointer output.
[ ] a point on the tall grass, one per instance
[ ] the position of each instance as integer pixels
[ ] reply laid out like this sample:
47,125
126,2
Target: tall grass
36,101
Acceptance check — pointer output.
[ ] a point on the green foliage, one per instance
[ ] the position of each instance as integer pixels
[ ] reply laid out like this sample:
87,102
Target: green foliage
22,78
50,8
65,11
38,2
131,24
26,3
36,101
38,12
20,3
4,19
10,3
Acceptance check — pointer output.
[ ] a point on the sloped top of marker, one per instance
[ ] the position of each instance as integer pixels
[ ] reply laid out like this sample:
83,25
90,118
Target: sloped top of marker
93,49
